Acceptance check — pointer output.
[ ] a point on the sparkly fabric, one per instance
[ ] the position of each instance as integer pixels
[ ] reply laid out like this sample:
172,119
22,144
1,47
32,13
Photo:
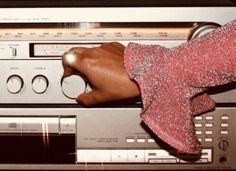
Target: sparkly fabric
173,82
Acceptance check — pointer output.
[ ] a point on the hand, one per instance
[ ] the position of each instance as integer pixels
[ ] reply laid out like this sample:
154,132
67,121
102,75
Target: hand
103,67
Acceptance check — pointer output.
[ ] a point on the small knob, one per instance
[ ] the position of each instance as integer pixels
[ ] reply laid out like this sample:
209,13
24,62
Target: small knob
223,145
72,86
14,84
39,84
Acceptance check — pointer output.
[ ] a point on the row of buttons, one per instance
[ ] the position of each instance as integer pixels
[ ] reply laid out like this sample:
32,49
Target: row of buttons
133,140
206,139
198,132
139,140
222,132
134,156
206,132
200,125
223,117
206,117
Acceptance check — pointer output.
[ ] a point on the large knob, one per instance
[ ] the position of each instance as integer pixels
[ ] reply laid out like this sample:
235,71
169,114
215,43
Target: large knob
39,84
72,86
202,29
14,84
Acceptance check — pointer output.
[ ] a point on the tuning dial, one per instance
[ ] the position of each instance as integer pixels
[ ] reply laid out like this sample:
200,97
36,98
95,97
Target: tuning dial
72,86
202,29
14,84
39,84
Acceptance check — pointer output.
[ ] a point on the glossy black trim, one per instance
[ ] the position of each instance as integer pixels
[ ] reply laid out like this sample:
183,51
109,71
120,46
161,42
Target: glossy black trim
113,3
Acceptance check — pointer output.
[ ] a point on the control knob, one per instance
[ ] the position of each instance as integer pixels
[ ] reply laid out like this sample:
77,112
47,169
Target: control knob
14,84
39,84
202,29
223,145
73,86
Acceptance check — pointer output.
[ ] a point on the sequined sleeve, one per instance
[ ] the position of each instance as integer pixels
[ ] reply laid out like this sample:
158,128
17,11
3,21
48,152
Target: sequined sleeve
173,82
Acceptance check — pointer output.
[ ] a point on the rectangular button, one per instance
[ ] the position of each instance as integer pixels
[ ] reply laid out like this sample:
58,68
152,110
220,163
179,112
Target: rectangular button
198,118
208,139
130,140
136,156
169,161
93,156
141,140
225,117
209,117
224,132
157,154
150,140
224,125
119,156
198,132
155,160
209,132
198,125
67,125
209,125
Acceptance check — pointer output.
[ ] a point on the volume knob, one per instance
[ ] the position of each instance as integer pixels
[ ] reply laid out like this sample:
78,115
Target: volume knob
14,84
73,86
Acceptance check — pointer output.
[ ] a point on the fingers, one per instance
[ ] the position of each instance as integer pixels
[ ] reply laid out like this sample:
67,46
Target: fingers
78,50
89,98
76,59
114,47
71,61
67,60
92,64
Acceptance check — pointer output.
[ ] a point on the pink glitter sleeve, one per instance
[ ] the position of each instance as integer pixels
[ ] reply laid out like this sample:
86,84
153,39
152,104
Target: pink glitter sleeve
173,82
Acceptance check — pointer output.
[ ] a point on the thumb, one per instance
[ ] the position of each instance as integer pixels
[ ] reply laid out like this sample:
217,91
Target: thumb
73,63
68,58
89,98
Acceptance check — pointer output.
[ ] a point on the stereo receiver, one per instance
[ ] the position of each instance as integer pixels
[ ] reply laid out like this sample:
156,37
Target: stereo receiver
41,125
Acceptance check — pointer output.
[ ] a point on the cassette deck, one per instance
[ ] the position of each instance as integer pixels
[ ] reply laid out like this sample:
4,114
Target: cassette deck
43,128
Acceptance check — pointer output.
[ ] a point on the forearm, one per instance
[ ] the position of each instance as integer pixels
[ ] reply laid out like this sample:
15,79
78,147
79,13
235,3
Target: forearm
209,60
172,82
